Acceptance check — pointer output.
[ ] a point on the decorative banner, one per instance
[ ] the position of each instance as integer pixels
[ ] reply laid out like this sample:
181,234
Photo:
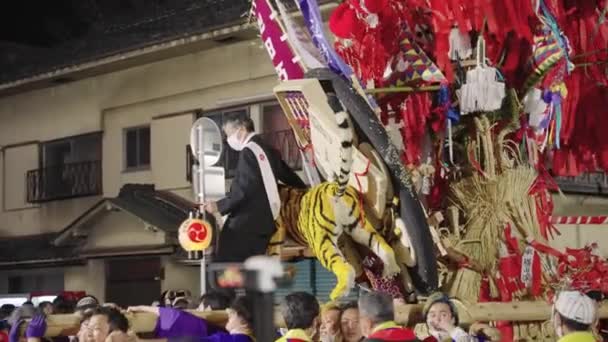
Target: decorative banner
300,40
312,18
275,40
314,23
413,65
195,235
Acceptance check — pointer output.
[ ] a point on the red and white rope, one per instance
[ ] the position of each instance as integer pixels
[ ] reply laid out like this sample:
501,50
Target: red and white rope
579,219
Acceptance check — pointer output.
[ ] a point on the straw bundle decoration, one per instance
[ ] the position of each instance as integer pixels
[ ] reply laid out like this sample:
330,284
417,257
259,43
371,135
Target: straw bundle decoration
495,196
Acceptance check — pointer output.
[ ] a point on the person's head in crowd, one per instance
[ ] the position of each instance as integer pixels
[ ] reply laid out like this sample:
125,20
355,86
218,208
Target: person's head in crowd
374,309
46,308
6,310
168,297
86,303
301,311
105,321
240,316
214,300
440,314
330,322
573,312
349,322
62,306
180,303
237,128
22,312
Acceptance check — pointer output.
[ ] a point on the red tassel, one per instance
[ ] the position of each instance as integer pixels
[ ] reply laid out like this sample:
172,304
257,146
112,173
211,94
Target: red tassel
536,288
484,290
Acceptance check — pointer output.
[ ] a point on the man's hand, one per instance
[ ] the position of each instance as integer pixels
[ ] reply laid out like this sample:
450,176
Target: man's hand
480,329
211,207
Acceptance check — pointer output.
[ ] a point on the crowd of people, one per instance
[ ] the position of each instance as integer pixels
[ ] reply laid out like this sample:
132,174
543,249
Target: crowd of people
371,318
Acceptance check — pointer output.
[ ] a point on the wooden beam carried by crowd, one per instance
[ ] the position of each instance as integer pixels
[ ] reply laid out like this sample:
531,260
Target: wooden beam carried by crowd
408,314
402,89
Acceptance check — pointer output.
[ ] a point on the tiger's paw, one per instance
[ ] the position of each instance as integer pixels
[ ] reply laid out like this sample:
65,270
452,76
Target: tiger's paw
346,281
391,267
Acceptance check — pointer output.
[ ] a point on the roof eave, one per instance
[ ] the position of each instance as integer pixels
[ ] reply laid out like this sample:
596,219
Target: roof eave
120,59
124,59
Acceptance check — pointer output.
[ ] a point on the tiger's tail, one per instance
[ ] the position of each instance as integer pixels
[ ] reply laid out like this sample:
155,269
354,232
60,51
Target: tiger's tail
346,145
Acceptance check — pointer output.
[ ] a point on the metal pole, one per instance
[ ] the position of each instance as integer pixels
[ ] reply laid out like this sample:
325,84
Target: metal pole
263,322
201,200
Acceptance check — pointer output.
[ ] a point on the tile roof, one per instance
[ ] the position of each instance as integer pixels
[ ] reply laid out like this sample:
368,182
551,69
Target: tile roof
35,248
115,33
591,183
161,209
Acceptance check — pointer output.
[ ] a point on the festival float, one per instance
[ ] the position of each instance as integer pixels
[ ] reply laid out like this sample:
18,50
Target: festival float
460,114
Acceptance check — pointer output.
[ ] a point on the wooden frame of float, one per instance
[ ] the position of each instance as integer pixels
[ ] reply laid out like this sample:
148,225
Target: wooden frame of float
408,314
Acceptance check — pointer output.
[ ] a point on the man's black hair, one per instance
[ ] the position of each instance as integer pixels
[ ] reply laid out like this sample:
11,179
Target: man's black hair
62,306
597,296
243,306
116,319
216,300
44,304
573,325
299,309
348,305
6,310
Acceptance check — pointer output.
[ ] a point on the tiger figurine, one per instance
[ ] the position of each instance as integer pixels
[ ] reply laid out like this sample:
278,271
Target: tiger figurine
317,217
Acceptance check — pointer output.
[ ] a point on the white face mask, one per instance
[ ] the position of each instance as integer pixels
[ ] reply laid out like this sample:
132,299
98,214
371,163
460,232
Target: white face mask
234,143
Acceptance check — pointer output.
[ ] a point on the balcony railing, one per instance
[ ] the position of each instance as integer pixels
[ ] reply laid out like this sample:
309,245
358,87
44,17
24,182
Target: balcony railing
285,143
64,182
